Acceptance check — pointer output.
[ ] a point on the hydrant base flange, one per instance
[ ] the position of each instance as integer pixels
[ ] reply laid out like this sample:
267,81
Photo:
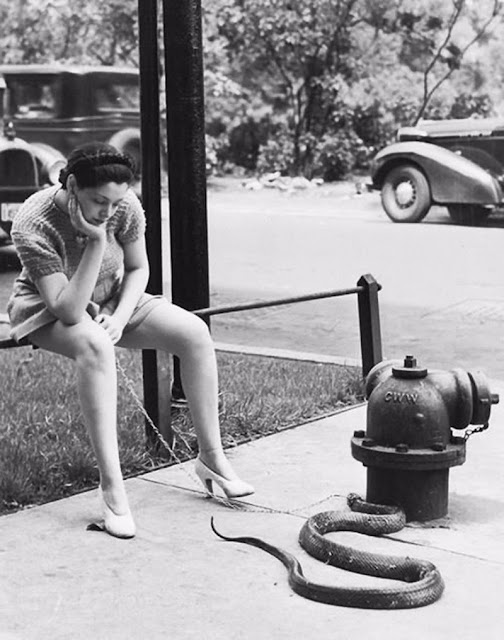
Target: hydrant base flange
422,495
371,453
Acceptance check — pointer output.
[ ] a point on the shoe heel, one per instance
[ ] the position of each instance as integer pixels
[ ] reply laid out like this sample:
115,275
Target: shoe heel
234,488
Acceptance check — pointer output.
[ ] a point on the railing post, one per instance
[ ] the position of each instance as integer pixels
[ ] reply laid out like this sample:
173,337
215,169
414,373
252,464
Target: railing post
369,323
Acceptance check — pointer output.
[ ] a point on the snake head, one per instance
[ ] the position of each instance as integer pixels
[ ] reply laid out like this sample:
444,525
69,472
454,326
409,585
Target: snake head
352,499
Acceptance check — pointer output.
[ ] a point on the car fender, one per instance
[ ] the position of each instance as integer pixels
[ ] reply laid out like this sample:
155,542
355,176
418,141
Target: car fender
128,141
452,178
122,139
50,159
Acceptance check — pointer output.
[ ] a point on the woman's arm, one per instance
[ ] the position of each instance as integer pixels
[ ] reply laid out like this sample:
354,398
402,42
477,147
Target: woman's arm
68,299
136,275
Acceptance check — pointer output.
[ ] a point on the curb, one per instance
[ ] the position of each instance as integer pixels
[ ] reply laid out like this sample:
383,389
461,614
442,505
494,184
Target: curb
286,354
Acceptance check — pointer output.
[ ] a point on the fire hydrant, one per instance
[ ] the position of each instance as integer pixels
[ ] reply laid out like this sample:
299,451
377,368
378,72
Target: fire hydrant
409,446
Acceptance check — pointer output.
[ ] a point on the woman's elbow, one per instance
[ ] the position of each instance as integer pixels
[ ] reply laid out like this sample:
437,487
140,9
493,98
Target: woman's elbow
67,314
141,272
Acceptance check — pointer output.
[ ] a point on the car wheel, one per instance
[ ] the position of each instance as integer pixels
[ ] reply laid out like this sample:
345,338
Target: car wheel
405,194
470,215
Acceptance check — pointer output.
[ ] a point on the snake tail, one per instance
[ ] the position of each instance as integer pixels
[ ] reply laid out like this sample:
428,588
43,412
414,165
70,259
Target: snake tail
424,584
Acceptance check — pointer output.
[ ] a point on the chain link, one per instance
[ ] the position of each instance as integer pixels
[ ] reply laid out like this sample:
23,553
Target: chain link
470,432
164,442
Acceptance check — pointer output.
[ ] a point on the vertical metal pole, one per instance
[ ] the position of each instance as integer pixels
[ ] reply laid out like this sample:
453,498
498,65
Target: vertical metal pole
186,153
186,159
369,322
154,397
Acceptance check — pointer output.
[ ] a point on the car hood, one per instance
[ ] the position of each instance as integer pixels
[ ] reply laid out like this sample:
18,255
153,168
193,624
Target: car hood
452,128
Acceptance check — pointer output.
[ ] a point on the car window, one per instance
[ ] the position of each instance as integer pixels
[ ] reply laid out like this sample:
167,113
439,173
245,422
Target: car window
117,96
32,97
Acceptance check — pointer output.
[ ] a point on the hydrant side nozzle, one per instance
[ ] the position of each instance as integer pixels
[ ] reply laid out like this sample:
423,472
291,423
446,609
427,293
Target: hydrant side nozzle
483,399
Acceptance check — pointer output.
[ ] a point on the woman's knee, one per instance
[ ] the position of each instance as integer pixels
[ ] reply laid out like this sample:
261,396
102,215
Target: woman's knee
195,336
93,346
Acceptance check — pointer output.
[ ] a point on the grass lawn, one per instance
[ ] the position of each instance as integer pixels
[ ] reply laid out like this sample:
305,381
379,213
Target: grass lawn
44,449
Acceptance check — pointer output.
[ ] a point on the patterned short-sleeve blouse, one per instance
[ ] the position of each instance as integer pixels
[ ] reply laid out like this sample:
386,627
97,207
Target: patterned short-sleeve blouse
47,243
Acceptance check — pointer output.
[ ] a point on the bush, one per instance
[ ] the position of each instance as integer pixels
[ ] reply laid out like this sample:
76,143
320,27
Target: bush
277,154
467,105
336,154
216,153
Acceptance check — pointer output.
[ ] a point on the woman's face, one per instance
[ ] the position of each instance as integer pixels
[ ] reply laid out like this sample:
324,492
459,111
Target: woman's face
98,204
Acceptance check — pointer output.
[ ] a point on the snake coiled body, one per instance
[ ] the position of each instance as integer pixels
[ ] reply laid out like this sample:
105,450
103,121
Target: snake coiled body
422,583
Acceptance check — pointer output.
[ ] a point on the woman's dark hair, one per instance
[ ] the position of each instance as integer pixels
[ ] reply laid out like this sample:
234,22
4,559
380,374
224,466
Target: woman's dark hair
97,163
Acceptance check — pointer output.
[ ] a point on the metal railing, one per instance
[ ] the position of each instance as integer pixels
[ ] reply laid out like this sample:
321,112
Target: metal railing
369,316
370,342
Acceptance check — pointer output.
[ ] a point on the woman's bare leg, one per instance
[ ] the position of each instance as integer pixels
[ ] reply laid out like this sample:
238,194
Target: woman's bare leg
172,329
89,346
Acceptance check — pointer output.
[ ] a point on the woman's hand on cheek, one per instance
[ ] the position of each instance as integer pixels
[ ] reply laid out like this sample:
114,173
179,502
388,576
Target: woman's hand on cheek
79,222
111,325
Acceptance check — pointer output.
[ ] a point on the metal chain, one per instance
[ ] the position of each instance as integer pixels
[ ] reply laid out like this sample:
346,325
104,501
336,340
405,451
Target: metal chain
163,440
469,432
237,506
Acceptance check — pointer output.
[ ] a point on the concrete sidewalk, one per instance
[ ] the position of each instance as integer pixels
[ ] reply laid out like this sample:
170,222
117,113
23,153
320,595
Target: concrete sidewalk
177,580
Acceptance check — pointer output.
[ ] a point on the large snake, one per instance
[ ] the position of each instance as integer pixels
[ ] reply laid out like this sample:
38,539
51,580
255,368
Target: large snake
424,584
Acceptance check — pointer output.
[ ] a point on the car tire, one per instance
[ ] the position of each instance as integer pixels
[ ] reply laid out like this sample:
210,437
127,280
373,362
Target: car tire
469,215
405,194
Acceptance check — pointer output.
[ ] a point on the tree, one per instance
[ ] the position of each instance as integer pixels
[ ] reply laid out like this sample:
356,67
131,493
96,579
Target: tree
440,40
330,80
295,55
81,31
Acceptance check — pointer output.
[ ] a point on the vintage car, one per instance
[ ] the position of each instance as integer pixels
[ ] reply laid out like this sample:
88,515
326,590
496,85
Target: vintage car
458,164
24,169
62,106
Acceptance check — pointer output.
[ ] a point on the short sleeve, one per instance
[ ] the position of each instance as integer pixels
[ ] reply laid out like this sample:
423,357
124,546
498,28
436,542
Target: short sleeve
131,218
38,256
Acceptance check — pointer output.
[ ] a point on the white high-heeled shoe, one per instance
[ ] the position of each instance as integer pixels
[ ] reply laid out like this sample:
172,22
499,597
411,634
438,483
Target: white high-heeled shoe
234,488
119,526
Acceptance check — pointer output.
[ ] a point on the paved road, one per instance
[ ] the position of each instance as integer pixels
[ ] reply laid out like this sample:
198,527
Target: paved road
443,288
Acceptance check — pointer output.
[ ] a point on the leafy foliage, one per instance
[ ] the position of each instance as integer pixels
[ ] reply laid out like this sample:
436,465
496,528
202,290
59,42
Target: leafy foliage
311,87
327,82
81,31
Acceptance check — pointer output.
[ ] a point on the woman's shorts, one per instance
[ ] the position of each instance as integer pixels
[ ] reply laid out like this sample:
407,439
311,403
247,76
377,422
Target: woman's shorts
30,313
145,305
